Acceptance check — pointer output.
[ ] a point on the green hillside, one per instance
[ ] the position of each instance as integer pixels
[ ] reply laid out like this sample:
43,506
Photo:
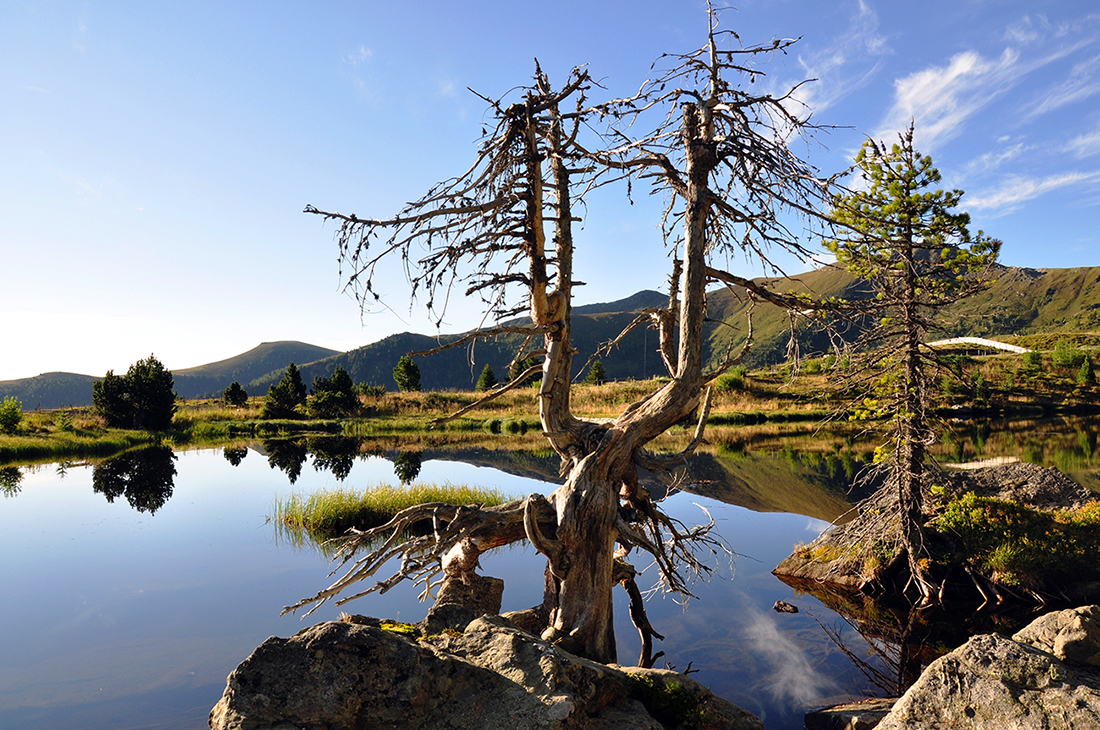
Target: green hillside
211,379
458,368
50,390
1032,306
1021,303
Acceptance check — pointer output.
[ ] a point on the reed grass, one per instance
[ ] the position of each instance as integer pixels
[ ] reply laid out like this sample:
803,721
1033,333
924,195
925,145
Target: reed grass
33,447
327,514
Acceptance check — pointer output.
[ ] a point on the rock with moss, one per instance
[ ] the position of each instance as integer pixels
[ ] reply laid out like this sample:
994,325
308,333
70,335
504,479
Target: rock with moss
355,674
1020,527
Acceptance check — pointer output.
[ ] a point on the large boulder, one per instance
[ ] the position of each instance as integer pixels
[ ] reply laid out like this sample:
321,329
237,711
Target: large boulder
364,673
1045,677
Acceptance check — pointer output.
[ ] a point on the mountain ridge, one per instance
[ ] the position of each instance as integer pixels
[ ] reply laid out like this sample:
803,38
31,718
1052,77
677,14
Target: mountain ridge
1023,301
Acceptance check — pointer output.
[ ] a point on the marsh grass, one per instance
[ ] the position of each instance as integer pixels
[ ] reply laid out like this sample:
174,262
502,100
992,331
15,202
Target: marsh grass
323,515
29,448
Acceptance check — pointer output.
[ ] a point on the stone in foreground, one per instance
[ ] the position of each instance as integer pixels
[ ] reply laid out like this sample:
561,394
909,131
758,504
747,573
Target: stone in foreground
1046,677
355,674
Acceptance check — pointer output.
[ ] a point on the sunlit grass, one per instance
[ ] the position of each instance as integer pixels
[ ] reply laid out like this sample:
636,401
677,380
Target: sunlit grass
326,514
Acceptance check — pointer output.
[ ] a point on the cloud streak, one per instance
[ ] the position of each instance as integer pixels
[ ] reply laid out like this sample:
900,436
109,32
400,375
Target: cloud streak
830,66
1018,189
793,679
940,99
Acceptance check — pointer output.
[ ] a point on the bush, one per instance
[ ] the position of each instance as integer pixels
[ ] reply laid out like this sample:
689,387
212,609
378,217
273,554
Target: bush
730,381
371,391
1017,545
11,414
487,380
1067,355
407,375
1033,362
283,398
1086,376
235,395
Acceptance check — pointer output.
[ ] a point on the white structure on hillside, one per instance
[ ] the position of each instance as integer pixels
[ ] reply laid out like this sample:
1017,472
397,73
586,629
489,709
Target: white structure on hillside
979,341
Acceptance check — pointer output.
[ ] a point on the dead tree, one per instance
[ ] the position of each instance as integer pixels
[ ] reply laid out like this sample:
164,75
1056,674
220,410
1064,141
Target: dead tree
505,227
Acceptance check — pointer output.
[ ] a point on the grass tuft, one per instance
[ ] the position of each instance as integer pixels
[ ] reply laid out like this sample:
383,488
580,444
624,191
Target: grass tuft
328,514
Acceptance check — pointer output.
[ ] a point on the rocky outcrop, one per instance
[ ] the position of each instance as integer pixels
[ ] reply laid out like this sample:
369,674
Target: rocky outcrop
862,552
365,673
1047,676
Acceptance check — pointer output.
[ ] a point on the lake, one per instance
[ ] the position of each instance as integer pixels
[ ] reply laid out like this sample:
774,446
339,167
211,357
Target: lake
129,604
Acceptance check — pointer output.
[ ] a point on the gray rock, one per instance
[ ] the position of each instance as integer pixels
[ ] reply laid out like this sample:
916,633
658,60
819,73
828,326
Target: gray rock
342,675
862,715
1073,636
999,683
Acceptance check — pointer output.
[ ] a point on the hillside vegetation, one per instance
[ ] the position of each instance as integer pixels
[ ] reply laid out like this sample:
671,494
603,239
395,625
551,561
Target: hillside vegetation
1030,307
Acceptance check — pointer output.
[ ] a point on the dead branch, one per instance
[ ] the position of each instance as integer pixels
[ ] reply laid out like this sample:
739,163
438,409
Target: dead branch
461,534
484,334
492,395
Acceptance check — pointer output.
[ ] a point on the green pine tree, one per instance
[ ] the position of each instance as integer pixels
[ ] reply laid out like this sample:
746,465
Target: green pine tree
407,374
487,380
596,374
1086,376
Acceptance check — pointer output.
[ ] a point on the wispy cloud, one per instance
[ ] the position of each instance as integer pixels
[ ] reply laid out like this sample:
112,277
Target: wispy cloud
1017,189
1083,82
832,66
1084,145
940,99
996,158
793,679
358,56
447,87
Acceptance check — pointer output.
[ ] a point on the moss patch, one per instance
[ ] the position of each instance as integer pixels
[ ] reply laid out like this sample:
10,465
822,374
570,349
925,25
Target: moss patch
669,703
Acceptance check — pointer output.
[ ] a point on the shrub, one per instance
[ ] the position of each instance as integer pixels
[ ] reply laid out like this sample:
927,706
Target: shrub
1033,362
371,391
1017,545
151,395
143,398
334,396
730,381
11,414
407,374
1086,376
1067,355
235,395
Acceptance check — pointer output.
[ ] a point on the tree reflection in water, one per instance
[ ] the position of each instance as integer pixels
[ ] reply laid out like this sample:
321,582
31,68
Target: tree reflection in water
406,466
902,639
235,455
10,480
144,476
287,455
334,453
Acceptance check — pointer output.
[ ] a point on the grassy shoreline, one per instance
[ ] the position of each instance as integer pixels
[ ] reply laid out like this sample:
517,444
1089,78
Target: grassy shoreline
772,396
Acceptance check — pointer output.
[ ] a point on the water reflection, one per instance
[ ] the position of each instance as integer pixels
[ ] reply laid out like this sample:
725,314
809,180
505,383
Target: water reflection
406,467
144,476
10,480
287,455
235,454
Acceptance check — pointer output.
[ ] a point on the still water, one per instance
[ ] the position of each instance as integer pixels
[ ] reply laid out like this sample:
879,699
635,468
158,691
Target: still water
127,608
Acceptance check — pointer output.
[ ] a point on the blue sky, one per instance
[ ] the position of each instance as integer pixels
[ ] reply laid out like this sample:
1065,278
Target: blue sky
155,157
